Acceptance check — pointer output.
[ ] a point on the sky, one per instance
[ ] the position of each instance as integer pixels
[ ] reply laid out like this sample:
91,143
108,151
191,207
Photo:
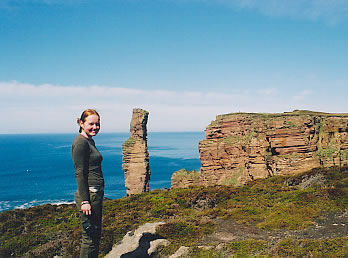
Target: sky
184,61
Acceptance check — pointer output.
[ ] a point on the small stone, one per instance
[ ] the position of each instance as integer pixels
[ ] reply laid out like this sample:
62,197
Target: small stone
182,251
157,243
220,247
205,247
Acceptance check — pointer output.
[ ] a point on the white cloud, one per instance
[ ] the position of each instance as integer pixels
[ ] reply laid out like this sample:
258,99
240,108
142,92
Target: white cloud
28,108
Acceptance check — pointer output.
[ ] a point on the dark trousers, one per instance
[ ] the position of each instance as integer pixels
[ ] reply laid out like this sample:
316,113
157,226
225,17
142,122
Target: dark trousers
90,240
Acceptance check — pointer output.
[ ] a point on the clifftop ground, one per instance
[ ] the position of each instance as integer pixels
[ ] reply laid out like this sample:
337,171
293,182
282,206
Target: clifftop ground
292,113
298,216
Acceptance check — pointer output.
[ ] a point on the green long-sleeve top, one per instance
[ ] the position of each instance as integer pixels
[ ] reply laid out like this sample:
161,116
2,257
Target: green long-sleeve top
87,162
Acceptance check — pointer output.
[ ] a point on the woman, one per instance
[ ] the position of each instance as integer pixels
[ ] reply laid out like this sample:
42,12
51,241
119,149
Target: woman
90,182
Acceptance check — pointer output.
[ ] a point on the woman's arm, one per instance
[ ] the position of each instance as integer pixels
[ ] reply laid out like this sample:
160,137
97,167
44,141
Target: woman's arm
80,155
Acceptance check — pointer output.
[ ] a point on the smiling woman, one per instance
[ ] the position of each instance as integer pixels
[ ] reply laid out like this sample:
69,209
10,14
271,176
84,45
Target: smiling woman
90,182
89,123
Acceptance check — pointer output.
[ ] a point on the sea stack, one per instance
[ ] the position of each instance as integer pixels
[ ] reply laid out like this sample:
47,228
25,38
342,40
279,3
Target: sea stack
136,156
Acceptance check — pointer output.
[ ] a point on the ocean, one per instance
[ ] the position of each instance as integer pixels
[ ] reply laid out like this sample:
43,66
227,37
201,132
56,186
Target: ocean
38,169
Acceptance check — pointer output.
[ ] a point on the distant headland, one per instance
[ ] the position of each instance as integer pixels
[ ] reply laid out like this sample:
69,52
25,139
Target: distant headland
240,147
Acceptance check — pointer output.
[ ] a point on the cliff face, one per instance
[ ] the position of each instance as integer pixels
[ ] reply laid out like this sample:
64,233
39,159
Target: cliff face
241,147
136,156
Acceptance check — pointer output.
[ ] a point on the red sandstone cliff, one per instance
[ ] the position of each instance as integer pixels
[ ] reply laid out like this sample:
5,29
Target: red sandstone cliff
240,147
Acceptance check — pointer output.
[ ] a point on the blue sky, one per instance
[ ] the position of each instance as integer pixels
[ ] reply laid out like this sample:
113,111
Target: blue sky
185,61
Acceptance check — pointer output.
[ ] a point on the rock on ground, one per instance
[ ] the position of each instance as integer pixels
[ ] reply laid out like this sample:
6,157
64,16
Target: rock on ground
139,243
182,251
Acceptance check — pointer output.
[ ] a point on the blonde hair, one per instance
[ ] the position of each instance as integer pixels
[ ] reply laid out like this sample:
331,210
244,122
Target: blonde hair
84,115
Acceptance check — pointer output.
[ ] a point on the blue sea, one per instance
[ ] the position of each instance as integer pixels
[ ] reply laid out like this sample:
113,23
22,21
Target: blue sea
37,168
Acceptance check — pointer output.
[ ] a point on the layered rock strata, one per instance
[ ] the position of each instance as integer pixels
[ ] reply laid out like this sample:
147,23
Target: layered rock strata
240,147
135,154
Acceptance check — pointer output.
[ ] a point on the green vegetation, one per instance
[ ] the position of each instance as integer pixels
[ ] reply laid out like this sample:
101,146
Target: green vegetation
129,142
193,174
320,128
326,153
344,154
247,248
207,253
232,139
191,214
293,113
292,124
268,156
21,230
250,135
336,247
233,179
293,155
240,139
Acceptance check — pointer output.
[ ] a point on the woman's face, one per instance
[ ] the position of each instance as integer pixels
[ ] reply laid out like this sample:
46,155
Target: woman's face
91,126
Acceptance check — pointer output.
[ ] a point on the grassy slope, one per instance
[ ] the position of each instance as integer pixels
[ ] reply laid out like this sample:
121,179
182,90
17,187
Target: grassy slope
191,214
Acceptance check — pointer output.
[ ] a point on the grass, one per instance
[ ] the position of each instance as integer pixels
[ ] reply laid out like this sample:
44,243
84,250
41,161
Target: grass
344,154
292,124
240,139
232,139
233,178
129,142
193,174
293,113
247,248
336,247
190,215
21,230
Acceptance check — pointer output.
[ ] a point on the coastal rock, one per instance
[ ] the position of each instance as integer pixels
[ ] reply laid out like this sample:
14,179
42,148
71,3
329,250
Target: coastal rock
240,147
155,244
140,243
183,251
135,154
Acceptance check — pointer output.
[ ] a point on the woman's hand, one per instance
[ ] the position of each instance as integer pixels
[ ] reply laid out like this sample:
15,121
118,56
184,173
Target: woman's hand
86,209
